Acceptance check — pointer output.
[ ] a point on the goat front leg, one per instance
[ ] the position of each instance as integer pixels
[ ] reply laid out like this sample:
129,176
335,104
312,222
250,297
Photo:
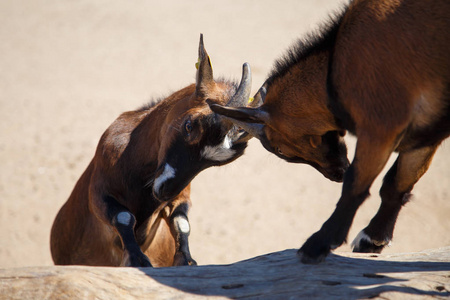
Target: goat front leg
370,157
124,222
179,225
395,192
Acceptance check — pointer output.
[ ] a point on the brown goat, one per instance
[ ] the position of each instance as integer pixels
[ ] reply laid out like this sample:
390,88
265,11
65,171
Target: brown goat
129,208
380,70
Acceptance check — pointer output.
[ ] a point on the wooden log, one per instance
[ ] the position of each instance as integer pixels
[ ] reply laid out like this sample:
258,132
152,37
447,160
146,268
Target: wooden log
277,275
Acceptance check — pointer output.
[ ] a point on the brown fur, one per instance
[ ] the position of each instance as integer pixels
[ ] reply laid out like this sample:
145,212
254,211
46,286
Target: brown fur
381,71
92,227
81,234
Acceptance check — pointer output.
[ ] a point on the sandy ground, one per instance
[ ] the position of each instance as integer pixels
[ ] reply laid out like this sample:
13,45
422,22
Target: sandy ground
69,68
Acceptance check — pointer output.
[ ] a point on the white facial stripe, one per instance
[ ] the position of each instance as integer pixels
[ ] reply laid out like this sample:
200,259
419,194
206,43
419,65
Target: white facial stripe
220,152
168,173
182,224
227,142
124,218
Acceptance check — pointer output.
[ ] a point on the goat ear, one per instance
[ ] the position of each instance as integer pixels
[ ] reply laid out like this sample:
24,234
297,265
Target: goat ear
204,70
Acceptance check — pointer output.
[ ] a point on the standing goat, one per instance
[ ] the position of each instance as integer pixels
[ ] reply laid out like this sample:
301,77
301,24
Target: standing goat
380,70
130,206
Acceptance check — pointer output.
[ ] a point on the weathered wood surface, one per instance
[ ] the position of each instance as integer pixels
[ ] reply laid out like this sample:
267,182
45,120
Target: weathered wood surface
277,275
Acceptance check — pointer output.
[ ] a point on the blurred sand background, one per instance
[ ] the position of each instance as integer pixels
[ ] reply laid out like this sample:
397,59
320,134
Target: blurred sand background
69,68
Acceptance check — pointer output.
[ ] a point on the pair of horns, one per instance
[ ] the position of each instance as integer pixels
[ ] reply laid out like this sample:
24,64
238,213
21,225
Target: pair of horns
250,118
205,77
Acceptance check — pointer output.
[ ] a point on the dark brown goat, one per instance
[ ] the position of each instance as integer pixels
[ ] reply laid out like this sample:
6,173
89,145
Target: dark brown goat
380,70
130,206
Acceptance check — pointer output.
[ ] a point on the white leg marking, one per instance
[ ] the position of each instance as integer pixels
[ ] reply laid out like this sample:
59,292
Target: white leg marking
182,224
168,173
362,236
124,218
220,152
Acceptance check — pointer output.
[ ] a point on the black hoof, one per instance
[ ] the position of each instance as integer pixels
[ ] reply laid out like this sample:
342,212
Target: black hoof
192,262
136,260
141,262
310,260
365,246
182,260
145,264
314,250
363,243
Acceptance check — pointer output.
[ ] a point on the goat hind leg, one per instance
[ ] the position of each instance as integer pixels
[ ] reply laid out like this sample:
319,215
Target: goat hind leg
395,192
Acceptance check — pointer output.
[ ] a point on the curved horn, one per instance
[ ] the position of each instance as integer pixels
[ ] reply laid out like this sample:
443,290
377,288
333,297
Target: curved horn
204,69
244,114
251,120
254,129
243,92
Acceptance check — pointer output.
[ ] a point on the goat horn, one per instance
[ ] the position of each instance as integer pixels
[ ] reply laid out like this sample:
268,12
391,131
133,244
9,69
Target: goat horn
251,120
254,129
204,68
242,95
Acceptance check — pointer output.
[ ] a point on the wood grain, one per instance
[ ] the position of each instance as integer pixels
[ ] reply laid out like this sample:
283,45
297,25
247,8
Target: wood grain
277,275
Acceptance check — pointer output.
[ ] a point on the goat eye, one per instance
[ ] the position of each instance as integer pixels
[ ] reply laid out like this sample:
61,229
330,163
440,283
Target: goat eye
279,151
188,126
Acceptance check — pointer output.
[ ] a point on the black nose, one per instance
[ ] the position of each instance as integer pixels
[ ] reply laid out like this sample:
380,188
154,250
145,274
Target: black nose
339,172
338,176
335,173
